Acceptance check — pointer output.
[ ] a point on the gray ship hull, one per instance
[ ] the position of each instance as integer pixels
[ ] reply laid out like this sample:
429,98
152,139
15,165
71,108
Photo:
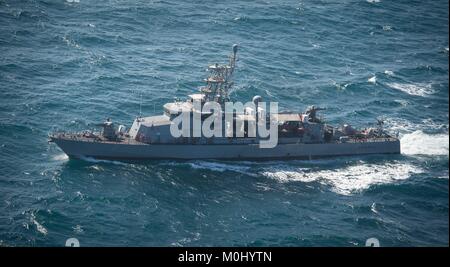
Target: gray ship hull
141,151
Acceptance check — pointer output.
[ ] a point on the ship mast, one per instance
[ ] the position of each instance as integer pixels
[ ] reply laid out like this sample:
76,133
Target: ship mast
219,81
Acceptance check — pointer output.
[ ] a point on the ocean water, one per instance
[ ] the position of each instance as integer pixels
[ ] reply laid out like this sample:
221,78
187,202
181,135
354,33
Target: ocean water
66,64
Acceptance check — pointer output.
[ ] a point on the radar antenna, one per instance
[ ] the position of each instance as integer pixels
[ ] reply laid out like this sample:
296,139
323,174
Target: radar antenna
219,81
380,124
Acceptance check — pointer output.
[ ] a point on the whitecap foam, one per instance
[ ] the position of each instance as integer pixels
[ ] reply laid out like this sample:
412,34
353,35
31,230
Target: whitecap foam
341,86
78,229
269,93
221,167
372,79
70,42
96,167
373,207
61,157
39,226
351,179
402,102
400,125
93,160
403,126
429,123
420,143
286,176
413,89
389,72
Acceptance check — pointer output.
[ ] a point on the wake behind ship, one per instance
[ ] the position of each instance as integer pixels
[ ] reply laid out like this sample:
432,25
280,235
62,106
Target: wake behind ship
299,135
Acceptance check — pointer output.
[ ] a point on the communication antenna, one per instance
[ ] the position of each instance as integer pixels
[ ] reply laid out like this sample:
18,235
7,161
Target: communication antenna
140,105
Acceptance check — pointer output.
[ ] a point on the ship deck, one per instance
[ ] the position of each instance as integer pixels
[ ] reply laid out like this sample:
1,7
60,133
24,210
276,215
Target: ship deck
83,137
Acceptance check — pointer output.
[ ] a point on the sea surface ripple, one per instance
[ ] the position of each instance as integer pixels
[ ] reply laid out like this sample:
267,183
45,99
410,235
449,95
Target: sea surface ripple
67,64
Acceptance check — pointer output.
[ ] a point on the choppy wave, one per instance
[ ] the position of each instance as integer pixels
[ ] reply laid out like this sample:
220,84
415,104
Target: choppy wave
61,157
404,126
346,180
414,139
67,64
41,229
389,72
420,143
351,179
413,89
221,167
93,160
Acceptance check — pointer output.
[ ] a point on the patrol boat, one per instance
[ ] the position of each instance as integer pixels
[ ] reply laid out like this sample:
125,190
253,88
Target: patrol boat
301,135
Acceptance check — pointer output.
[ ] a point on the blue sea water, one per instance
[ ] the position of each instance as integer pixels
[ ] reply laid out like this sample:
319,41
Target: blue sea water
66,64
